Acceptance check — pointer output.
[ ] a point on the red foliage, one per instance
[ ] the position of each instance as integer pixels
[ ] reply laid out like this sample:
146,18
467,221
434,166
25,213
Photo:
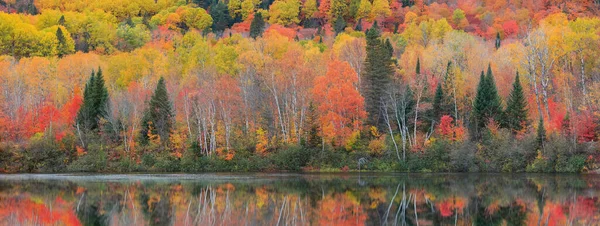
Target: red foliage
510,27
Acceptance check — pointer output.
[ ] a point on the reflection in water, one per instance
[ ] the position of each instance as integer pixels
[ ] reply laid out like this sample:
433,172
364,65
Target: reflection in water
300,199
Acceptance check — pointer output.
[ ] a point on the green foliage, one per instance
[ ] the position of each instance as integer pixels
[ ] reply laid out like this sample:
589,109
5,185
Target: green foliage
257,26
159,116
221,18
339,25
95,160
541,134
515,115
132,36
487,104
95,103
293,158
376,76
42,155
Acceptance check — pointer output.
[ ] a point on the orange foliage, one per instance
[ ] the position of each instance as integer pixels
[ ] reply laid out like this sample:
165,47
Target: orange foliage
340,104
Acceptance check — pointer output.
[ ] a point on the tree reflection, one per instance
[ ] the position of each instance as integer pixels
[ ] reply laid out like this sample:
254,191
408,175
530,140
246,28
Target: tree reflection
336,199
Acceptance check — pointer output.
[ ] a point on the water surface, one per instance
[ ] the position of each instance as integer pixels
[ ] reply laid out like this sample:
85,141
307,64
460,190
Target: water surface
300,199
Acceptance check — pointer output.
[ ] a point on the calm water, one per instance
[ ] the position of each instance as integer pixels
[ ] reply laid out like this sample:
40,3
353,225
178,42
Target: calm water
300,199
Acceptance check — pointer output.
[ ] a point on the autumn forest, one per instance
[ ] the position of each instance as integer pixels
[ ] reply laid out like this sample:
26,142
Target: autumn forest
300,85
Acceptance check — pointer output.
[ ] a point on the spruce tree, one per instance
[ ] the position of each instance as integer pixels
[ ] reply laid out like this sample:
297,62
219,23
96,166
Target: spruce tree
158,118
95,103
487,104
358,25
313,140
516,107
62,42
376,76
440,106
541,134
257,26
100,96
61,20
339,25
85,116
498,40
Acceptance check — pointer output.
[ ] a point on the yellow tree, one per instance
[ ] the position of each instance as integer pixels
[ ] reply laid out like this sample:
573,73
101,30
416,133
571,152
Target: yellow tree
284,12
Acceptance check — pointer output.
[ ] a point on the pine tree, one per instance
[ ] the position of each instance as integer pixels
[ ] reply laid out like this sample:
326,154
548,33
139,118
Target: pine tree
487,104
257,26
339,25
418,67
85,116
376,76
313,139
358,25
62,43
158,118
100,96
61,21
498,41
541,134
95,103
516,107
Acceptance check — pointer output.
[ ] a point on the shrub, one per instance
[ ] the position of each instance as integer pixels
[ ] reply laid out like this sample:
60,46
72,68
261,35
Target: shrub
94,161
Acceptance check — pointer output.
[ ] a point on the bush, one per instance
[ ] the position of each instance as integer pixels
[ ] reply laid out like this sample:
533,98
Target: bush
165,162
573,164
42,155
94,161
292,158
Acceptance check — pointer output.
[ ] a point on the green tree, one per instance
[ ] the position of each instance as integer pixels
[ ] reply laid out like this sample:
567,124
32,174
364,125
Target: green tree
541,135
158,118
62,47
221,18
516,107
339,25
257,26
376,76
95,103
498,40
61,20
487,104
313,139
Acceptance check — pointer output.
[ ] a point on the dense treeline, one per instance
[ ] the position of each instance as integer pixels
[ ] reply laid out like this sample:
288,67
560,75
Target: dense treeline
287,85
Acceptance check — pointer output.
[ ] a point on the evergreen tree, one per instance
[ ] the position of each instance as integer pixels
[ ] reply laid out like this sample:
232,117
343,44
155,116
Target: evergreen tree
257,26
541,134
221,18
312,121
339,25
358,25
85,119
487,104
158,118
376,76
440,106
95,103
516,107
61,21
100,96
418,67
498,41
62,43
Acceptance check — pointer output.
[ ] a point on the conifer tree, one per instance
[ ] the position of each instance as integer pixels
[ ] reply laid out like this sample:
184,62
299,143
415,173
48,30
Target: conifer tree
487,104
85,119
61,20
158,118
100,96
358,25
498,40
95,103
313,139
339,25
541,134
376,76
62,42
257,26
516,107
